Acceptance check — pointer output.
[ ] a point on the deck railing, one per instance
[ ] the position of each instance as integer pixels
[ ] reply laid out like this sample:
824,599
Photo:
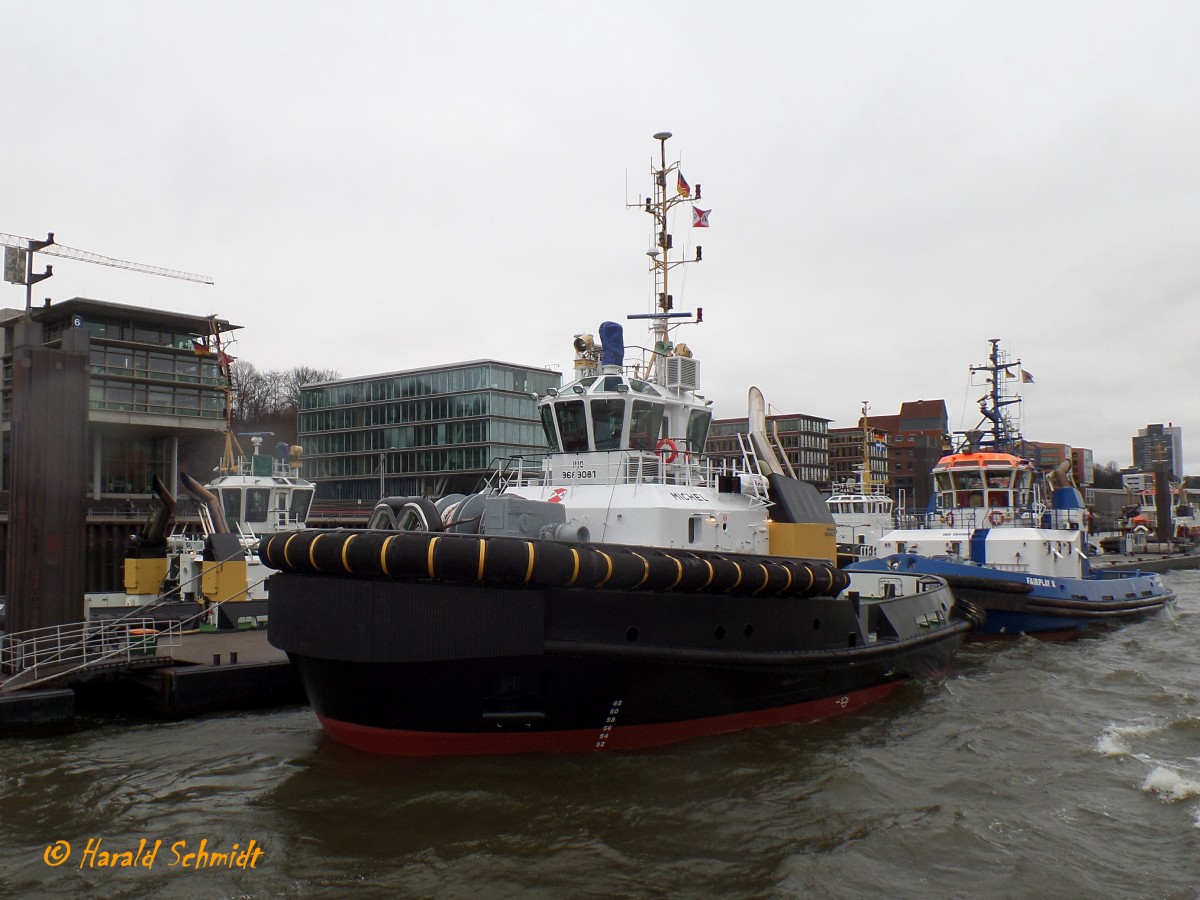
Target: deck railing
613,467
59,649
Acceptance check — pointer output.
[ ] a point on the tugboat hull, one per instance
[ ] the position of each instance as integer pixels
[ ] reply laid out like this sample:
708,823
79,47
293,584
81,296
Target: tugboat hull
434,668
1042,606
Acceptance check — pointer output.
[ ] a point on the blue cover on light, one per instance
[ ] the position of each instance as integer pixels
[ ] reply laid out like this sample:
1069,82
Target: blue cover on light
612,340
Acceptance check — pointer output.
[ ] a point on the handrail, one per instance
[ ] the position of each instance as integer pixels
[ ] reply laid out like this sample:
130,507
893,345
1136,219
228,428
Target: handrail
98,643
80,645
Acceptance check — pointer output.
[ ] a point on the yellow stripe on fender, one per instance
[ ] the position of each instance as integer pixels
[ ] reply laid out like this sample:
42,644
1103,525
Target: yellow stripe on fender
529,568
287,544
429,563
609,574
712,573
575,568
811,577
312,561
737,566
679,576
645,569
766,578
482,555
383,555
345,558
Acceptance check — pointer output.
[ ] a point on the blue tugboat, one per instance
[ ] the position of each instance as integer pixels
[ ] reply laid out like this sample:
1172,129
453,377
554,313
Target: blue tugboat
1013,540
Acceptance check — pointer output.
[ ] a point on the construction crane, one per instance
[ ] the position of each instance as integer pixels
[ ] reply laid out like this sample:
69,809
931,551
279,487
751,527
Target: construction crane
18,262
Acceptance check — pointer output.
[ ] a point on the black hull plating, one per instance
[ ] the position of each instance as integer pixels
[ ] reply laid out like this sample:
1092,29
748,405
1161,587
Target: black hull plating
426,667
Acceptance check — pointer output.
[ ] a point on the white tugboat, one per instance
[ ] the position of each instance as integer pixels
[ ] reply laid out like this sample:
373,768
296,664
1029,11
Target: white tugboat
623,592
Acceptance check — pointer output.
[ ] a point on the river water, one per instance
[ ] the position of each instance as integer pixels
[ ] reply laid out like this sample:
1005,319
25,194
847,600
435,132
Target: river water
1029,770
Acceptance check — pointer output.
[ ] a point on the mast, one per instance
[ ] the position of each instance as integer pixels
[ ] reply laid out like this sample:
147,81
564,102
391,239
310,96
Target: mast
1004,432
866,450
659,205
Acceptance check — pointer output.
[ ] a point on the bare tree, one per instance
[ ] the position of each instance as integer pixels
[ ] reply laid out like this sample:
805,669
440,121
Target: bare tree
248,399
259,396
302,375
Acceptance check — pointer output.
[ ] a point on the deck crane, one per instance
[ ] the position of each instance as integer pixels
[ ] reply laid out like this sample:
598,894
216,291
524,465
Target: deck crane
18,262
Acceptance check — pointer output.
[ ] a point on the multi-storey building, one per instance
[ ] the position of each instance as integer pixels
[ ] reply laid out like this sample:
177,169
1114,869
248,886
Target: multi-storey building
147,399
804,438
422,432
918,436
846,450
1157,445
156,394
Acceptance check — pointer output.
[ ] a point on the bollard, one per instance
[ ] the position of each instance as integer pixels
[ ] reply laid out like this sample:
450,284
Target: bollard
216,659
232,656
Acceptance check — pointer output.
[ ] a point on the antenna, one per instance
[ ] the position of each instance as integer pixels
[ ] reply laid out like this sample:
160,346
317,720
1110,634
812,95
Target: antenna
664,199
18,262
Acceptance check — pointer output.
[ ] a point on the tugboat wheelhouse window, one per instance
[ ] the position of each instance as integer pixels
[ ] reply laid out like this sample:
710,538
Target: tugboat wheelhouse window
258,504
301,500
645,423
608,419
697,429
550,430
572,424
231,504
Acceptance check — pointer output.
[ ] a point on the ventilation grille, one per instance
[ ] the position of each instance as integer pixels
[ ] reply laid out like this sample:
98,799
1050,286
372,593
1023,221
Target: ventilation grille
683,372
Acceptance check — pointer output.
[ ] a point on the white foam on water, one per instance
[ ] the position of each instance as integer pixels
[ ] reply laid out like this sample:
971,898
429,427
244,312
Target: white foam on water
1169,785
1114,740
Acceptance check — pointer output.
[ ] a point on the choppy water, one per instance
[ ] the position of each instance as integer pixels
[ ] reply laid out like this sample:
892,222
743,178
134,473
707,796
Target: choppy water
1031,770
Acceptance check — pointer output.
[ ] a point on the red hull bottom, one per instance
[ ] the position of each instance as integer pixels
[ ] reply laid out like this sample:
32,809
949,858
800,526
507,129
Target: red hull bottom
625,737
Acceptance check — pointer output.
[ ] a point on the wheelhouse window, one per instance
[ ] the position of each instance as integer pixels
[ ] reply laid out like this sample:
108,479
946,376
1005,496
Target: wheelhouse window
231,504
572,425
300,503
608,421
258,504
645,424
697,429
968,488
548,427
998,484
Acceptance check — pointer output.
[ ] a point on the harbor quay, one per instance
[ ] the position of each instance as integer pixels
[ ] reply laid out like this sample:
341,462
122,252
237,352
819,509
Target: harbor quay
208,672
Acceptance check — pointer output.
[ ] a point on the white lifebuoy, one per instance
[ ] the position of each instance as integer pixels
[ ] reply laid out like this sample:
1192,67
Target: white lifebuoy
671,448
996,518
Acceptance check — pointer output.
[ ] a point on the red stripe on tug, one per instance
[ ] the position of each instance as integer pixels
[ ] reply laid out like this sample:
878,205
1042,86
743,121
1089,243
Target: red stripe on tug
614,737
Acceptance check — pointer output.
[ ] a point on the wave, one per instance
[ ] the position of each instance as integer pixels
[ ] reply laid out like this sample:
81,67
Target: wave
1115,739
1169,785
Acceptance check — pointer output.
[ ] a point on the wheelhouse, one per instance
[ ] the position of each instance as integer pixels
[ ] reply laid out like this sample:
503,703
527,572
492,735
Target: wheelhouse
613,411
983,480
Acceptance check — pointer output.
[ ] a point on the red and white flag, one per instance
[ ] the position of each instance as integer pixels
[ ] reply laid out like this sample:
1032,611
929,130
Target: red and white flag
700,217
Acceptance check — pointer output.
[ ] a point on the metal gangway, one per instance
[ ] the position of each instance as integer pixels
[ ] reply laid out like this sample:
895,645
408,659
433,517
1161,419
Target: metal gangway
62,652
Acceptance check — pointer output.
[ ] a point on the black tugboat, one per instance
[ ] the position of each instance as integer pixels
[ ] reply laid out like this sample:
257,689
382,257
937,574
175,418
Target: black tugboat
621,593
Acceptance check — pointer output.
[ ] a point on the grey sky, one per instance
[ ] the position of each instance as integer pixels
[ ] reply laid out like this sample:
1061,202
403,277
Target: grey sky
379,186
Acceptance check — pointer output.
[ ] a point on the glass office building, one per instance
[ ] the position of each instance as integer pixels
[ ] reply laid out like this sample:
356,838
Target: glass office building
424,432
